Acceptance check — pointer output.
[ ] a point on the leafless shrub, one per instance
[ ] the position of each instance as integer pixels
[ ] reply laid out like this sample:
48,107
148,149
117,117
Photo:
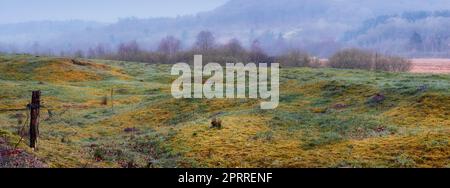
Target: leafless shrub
352,59
296,58
366,60
392,64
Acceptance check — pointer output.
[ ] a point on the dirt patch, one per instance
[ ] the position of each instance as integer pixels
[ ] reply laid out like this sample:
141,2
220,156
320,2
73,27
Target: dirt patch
439,66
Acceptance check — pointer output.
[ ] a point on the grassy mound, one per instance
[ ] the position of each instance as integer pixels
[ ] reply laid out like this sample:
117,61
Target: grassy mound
43,69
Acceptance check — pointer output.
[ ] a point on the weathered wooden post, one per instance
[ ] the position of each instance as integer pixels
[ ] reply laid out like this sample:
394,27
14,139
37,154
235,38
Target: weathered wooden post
376,61
112,99
34,118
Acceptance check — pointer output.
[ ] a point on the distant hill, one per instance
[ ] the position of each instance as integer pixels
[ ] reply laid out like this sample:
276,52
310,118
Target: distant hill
419,33
316,25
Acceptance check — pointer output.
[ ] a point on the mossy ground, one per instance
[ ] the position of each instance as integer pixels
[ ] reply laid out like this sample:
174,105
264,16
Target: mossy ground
326,118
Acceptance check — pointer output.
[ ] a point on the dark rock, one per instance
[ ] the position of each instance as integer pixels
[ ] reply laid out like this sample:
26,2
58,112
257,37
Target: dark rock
129,130
216,123
77,62
377,99
422,88
380,129
340,106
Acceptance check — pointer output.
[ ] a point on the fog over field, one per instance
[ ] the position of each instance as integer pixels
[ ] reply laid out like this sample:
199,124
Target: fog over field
413,28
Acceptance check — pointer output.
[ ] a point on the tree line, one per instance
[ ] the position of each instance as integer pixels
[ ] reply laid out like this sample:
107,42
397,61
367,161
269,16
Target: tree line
170,51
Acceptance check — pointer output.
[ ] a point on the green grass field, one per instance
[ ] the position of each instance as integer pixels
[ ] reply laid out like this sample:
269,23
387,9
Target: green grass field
326,118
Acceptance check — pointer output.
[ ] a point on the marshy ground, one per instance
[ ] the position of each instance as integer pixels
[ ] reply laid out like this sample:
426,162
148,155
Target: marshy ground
326,118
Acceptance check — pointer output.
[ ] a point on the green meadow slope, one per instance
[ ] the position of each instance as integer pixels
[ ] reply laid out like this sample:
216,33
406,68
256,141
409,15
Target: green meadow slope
326,118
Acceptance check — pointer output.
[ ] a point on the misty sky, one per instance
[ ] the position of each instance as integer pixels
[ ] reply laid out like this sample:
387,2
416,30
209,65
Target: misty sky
13,11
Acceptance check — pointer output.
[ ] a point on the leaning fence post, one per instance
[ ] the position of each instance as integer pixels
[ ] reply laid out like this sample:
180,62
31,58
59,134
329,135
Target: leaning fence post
34,118
112,99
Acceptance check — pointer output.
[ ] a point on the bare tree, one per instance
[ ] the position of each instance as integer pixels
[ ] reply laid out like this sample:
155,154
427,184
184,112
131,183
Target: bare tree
100,50
128,51
169,46
257,54
35,48
416,41
79,54
62,53
234,48
205,41
91,53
